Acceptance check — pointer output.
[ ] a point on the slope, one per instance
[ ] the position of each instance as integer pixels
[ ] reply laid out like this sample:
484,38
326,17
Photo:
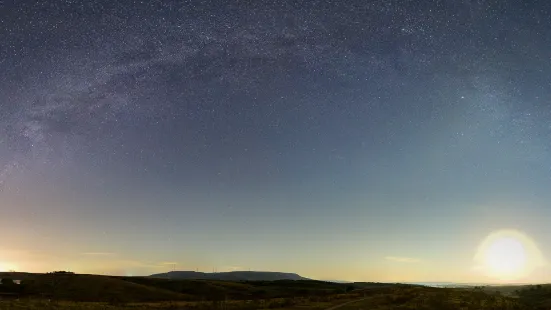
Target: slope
230,276
94,288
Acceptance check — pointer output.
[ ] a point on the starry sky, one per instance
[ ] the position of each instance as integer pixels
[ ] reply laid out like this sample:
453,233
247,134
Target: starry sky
352,140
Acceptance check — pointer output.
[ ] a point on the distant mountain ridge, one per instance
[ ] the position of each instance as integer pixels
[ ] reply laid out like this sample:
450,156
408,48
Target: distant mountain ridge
230,276
337,281
461,285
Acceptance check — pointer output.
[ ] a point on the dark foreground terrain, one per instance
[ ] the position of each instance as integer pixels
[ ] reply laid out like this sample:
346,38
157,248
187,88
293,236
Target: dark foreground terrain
69,291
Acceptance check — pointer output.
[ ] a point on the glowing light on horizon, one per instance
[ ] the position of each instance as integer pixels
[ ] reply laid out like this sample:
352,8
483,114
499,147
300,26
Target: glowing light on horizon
508,255
5,266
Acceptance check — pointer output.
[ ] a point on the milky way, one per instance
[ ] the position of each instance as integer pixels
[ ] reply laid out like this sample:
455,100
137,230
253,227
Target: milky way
423,98
85,69
133,61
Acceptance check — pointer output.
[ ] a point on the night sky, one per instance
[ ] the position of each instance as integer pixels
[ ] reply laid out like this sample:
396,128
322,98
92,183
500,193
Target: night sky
350,140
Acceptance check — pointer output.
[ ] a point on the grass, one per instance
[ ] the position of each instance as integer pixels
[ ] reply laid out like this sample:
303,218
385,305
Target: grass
423,298
86,288
537,296
383,298
94,288
117,293
276,303
218,290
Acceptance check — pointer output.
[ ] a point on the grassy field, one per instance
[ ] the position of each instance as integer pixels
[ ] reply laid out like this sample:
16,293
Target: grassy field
310,303
86,288
423,298
94,288
219,290
396,298
536,296
67,291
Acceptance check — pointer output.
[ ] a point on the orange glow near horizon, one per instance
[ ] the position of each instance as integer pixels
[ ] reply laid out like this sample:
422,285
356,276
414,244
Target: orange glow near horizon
7,266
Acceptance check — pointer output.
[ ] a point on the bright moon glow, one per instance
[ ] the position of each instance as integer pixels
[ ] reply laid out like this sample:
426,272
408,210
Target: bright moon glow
505,256
508,255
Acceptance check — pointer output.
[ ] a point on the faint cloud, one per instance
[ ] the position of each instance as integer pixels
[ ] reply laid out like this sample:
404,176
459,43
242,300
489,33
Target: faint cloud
168,263
234,268
477,268
140,264
7,253
99,253
401,259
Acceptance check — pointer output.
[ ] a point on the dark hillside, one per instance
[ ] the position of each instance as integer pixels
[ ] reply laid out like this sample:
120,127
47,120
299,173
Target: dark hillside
93,288
230,276
217,289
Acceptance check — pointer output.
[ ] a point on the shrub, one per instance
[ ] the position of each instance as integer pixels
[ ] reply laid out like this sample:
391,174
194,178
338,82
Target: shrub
7,281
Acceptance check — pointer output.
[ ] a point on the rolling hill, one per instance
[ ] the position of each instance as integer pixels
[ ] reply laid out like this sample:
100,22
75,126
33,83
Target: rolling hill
197,294
95,288
87,288
230,276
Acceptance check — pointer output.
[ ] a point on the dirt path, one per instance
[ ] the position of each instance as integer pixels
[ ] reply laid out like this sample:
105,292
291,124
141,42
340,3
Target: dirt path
346,303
